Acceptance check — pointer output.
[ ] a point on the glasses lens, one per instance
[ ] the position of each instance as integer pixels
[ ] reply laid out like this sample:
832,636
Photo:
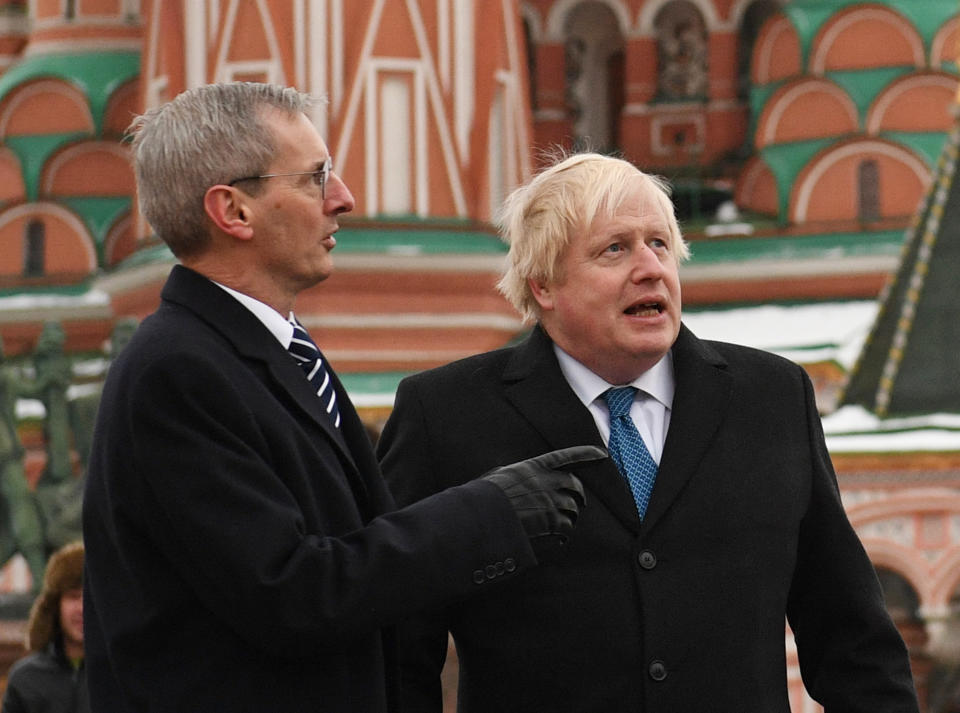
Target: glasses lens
322,175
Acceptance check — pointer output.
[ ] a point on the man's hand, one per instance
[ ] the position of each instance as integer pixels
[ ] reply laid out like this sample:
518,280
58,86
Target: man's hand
546,499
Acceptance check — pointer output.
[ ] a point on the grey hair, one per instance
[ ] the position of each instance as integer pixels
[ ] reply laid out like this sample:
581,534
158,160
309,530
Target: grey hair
205,136
538,219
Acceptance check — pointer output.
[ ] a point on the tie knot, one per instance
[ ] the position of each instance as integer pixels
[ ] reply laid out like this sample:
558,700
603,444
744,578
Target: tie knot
619,400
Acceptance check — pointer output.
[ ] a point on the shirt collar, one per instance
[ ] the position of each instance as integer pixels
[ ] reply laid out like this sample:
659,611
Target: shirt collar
279,326
657,381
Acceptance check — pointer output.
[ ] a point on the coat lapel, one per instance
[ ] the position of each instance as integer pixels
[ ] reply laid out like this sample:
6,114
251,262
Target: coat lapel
699,405
537,388
252,341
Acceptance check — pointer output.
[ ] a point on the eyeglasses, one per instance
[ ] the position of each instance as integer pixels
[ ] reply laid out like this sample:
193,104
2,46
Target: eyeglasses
320,176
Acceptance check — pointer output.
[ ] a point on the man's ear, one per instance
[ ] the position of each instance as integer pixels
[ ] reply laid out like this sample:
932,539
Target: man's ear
230,210
541,293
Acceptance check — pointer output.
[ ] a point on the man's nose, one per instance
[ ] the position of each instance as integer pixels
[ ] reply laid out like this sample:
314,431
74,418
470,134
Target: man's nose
338,198
646,264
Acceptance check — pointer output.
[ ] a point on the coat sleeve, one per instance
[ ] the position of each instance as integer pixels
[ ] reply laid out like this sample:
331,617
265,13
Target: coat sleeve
407,459
206,483
852,659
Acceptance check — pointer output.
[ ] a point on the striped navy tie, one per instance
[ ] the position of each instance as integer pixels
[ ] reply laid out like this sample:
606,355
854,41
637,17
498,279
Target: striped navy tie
307,355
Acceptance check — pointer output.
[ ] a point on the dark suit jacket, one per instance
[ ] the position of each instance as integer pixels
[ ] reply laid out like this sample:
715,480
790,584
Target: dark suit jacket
684,612
237,558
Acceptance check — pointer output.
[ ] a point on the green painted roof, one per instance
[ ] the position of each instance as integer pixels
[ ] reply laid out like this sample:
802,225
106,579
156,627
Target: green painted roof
33,152
368,239
786,161
99,213
927,144
96,74
908,361
864,85
426,241
372,388
820,246
808,16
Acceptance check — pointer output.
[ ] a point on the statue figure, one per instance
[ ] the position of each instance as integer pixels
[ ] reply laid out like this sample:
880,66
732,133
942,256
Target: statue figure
83,409
58,492
53,377
21,523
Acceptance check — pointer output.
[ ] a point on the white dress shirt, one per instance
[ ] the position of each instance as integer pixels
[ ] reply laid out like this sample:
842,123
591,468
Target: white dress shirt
651,406
279,327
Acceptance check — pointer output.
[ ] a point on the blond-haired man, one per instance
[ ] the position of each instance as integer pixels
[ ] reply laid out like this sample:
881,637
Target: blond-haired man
717,518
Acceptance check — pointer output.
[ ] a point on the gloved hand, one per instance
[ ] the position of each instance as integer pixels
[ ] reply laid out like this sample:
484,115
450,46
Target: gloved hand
546,499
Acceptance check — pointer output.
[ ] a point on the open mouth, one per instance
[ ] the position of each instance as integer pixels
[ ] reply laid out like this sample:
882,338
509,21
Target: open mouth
644,309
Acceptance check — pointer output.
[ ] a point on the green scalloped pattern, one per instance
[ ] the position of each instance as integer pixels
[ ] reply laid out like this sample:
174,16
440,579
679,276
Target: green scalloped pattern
808,16
864,85
99,213
928,144
786,161
33,152
96,74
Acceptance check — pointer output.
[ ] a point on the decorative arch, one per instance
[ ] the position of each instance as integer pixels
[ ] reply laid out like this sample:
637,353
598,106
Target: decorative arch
786,115
683,40
756,188
646,21
69,249
826,189
45,106
931,563
839,44
776,53
943,48
749,17
122,107
530,15
557,19
740,8
902,560
595,75
12,187
917,102
89,168
945,586
121,240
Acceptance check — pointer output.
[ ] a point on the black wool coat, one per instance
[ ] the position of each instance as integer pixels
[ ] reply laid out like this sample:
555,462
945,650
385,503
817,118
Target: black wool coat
684,611
241,555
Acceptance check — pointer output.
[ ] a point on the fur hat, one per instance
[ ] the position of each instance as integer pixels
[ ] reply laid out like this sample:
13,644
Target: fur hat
64,572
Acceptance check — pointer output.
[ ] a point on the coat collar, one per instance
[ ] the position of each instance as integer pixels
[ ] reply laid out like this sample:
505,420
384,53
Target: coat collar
536,387
253,340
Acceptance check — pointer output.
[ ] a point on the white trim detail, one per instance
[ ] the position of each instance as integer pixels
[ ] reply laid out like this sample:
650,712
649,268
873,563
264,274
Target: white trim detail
827,161
557,18
890,95
822,49
776,109
40,208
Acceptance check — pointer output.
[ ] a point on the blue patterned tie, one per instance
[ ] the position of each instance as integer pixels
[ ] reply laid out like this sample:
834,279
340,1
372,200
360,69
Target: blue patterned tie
308,356
627,448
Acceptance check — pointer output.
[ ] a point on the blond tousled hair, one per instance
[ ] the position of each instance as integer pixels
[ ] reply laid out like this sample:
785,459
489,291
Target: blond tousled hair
538,219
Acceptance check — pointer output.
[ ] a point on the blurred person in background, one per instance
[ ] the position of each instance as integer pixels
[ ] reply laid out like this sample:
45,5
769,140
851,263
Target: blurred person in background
51,679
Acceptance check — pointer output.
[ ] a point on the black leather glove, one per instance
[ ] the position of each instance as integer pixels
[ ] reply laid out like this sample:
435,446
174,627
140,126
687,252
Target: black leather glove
546,500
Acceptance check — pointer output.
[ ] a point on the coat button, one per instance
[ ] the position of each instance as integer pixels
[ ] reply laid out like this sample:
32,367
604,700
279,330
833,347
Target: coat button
658,671
647,559
478,577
